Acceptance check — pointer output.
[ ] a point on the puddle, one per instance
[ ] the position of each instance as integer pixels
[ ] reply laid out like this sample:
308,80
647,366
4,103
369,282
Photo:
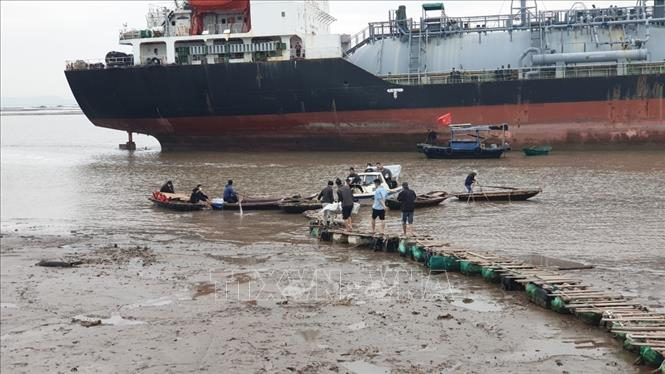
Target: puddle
362,367
543,349
477,305
164,300
540,260
119,321
111,321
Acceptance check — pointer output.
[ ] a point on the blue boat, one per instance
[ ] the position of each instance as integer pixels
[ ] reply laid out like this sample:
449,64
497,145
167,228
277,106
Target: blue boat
463,148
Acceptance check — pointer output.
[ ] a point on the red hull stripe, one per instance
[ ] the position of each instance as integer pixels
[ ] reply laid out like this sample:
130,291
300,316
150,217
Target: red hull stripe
599,121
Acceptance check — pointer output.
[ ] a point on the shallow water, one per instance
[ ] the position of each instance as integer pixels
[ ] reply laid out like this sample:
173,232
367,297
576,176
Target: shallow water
61,174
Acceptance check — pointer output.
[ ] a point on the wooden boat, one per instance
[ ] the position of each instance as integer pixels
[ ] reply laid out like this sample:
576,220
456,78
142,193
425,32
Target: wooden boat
461,147
429,199
299,206
537,150
178,202
436,152
516,194
249,203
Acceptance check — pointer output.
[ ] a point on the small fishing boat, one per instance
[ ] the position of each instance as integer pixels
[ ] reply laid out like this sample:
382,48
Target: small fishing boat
429,199
508,194
537,150
248,203
178,202
461,147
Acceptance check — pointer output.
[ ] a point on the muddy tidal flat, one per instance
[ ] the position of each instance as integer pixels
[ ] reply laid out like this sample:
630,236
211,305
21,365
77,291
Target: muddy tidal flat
156,291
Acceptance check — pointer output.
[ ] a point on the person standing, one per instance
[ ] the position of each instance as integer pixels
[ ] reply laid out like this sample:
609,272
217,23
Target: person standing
387,175
326,195
408,199
470,181
345,196
230,196
379,207
431,137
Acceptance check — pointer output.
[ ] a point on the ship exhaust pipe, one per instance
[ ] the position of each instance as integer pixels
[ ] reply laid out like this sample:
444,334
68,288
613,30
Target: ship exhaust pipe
581,57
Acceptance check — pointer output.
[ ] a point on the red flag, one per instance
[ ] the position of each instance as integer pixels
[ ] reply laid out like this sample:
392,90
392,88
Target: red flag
445,119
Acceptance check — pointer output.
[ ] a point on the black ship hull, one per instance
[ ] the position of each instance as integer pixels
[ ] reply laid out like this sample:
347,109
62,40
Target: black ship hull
331,104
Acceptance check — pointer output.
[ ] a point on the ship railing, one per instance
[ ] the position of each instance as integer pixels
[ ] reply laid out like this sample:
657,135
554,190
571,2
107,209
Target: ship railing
504,22
464,76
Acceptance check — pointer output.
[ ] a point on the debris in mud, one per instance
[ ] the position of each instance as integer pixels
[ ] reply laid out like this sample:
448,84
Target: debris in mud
243,278
249,260
445,316
283,302
115,320
87,321
467,300
58,263
204,288
115,255
347,301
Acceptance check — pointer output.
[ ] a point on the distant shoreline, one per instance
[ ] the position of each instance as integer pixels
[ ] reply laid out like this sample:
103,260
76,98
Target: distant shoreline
40,112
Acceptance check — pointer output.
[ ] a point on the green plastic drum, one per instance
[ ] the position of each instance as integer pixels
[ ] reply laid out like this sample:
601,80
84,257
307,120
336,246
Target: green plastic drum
558,305
418,253
651,356
469,268
490,275
591,318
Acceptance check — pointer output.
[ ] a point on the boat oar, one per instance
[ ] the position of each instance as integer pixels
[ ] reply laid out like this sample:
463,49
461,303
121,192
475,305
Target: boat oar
504,187
240,202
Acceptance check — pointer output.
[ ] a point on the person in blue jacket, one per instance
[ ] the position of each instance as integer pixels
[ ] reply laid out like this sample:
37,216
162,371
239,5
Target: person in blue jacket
230,195
470,181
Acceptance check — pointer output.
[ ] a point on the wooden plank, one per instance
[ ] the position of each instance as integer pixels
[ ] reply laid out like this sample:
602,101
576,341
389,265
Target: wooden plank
573,306
637,328
636,319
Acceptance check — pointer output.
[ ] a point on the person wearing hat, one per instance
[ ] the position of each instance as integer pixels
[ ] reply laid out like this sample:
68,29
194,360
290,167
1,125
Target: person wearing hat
379,206
197,195
230,195
167,188
470,181
408,199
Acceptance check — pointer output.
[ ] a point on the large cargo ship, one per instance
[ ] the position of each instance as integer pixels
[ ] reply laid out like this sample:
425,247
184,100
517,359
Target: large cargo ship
244,75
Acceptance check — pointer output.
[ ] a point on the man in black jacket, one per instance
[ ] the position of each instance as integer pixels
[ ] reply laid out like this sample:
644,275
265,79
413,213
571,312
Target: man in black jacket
408,199
345,196
326,195
197,195
167,187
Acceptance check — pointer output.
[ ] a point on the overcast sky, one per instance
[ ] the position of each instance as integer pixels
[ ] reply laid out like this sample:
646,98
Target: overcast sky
38,36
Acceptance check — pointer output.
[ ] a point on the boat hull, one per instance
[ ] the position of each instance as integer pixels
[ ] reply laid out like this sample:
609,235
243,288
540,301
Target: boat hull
510,195
180,206
331,104
450,153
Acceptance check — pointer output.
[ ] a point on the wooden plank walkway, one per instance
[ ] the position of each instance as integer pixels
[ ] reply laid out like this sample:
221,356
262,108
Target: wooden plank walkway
642,330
